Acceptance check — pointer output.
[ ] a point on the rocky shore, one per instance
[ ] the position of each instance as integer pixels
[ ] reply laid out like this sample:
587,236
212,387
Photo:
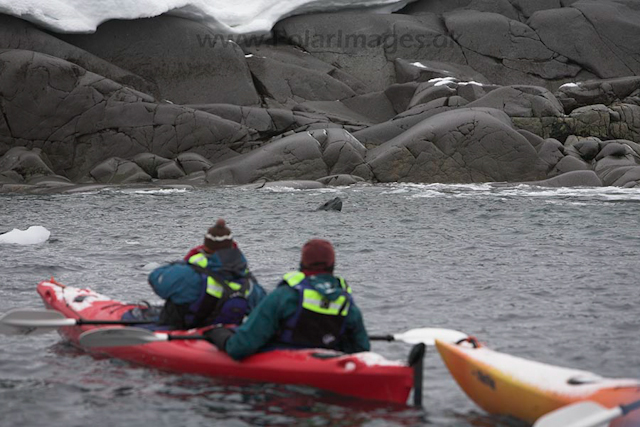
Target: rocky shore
462,91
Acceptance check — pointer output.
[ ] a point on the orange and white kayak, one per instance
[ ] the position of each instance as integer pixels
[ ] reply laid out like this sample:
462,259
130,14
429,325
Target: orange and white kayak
502,384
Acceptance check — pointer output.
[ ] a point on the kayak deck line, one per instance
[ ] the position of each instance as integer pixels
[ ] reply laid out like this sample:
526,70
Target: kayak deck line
364,375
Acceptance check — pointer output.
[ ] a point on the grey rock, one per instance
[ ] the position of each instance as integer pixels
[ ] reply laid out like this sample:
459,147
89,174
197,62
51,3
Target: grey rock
79,119
613,149
535,140
150,163
26,162
375,107
503,7
303,156
400,95
289,84
551,152
504,50
462,146
630,178
264,122
340,180
334,204
431,92
289,54
609,29
579,178
601,91
425,70
366,44
610,168
18,34
568,164
119,171
335,112
187,61
170,170
522,101
193,162
10,177
588,149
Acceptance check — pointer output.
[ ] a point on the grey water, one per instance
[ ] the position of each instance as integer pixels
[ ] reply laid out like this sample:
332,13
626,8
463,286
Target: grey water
545,274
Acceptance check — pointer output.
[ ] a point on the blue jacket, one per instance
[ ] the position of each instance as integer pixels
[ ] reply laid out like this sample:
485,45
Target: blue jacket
263,324
182,285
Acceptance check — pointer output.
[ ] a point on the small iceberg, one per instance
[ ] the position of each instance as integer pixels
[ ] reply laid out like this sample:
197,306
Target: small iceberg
31,236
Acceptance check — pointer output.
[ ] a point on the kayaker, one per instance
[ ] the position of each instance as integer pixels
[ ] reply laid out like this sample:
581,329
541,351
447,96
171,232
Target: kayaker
214,286
310,308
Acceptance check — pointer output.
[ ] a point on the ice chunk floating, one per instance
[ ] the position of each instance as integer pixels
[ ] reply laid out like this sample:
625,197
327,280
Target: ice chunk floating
31,236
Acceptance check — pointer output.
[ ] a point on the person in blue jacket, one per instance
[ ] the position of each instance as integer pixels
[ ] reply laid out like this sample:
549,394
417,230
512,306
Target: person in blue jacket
310,308
213,286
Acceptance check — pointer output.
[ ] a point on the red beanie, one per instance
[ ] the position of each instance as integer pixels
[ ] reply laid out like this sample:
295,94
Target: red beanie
317,254
218,237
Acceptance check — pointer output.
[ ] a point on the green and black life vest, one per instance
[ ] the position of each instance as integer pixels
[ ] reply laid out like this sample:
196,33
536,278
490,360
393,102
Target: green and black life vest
318,321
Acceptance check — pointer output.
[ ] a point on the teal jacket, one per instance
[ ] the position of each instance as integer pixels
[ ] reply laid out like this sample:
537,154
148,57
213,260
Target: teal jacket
261,326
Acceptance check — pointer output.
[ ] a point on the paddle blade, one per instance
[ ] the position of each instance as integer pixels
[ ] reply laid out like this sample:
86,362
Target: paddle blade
581,414
117,337
22,321
428,336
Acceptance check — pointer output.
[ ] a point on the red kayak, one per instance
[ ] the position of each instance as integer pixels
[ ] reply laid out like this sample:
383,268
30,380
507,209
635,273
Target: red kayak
364,375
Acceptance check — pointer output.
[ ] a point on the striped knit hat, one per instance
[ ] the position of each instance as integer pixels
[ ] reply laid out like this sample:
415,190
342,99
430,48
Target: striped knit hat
218,237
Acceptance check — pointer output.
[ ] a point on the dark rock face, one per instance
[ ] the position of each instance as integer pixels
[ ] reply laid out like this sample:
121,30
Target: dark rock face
187,61
457,146
309,155
457,91
79,119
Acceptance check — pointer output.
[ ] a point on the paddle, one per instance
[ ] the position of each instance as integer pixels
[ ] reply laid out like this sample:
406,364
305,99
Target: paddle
115,337
584,414
35,321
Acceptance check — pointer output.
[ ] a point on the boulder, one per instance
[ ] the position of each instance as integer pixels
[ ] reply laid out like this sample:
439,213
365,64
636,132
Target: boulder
580,178
568,164
302,156
551,152
290,84
522,101
26,162
118,171
601,91
192,162
150,163
170,170
460,146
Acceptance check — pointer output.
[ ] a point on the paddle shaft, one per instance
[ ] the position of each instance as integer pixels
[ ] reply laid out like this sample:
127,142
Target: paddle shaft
606,416
382,338
630,407
113,322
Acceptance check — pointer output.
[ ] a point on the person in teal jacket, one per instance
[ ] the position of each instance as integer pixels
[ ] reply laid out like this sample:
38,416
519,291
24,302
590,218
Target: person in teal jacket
310,308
